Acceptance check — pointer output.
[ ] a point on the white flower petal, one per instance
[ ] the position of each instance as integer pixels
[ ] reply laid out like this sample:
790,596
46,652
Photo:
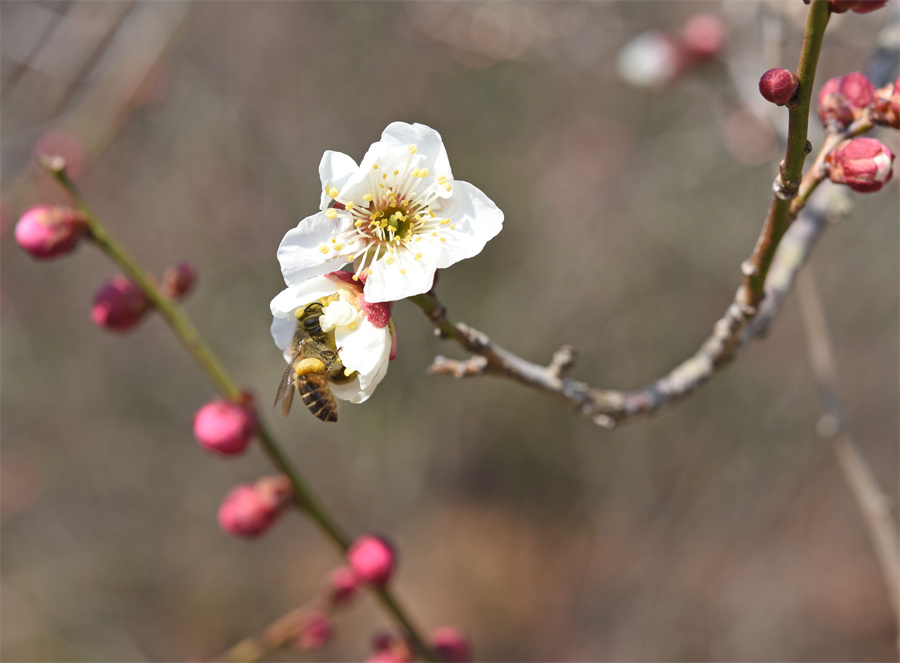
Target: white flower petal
476,220
406,276
360,349
334,171
300,294
283,332
428,141
300,252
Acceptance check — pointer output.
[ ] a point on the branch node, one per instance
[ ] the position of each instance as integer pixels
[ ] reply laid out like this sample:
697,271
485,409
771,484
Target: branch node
563,361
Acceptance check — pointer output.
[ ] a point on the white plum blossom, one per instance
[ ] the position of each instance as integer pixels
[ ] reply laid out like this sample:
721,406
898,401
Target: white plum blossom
362,333
397,216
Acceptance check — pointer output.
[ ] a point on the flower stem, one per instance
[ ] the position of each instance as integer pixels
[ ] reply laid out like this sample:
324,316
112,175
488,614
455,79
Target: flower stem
181,325
788,180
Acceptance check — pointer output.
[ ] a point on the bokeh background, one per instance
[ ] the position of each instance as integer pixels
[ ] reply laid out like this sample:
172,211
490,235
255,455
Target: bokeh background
720,529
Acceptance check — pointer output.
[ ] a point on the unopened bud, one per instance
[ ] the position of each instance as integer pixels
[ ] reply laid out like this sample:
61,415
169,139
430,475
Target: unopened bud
863,164
120,304
450,645
224,427
250,509
703,35
886,108
843,99
857,6
778,86
372,559
50,231
315,631
343,584
178,280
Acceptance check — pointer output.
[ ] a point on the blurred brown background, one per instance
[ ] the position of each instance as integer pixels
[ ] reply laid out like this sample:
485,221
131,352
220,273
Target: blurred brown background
720,529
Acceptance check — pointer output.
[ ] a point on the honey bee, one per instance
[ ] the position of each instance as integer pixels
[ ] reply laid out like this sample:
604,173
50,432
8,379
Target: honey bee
314,363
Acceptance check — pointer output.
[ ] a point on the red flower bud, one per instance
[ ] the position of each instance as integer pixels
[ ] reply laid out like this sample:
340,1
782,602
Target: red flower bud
843,99
863,164
50,231
178,280
703,35
778,86
857,6
119,305
224,427
450,645
250,509
372,559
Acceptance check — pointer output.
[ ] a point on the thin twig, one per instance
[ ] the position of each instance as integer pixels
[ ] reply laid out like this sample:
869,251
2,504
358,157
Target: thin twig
871,499
184,330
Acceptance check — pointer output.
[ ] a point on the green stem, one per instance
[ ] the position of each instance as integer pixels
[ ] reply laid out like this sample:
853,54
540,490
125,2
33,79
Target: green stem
175,317
778,218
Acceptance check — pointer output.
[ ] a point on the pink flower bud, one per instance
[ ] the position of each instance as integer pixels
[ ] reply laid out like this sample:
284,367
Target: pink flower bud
778,86
886,109
843,99
703,35
224,427
450,645
119,305
863,164
372,559
315,631
342,585
857,6
250,509
50,231
178,280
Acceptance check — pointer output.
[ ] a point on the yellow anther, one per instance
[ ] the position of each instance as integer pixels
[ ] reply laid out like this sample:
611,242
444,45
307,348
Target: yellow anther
443,239
323,249
332,192
415,172
358,224
434,234
390,261
356,277
384,176
349,205
396,172
431,213
424,172
403,271
369,196
418,256
444,222
374,166
418,238
442,179
338,247
352,325
330,213
348,372
452,226
447,187
413,149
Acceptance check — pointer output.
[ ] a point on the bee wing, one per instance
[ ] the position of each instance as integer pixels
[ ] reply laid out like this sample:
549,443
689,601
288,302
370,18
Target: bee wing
285,392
